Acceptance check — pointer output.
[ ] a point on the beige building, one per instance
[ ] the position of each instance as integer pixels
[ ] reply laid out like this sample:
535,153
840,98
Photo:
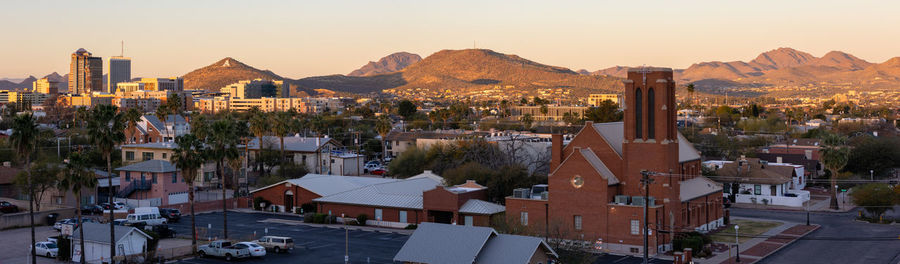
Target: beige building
163,84
134,153
129,87
88,100
85,73
45,86
596,99
554,113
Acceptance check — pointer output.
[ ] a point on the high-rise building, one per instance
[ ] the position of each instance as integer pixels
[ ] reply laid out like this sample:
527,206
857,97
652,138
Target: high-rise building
45,86
119,71
85,73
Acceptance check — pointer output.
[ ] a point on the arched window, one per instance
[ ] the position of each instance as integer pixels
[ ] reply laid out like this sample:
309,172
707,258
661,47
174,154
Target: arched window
638,114
651,106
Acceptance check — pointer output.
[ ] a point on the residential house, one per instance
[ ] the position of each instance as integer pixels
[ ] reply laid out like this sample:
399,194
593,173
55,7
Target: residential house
151,129
756,181
316,153
435,243
156,181
129,241
8,186
134,153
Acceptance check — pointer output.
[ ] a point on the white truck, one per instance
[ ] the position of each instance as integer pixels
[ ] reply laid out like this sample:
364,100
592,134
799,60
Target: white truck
223,249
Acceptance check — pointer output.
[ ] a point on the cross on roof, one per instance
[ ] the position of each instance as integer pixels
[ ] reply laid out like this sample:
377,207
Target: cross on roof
643,70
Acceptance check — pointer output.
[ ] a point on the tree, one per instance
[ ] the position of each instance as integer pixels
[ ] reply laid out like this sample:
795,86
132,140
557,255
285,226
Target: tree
383,126
106,130
410,163
690,90
406,109
876,154
876,198
25,138
77,176
607,111
259,126
162,112
281,125
834,156
188,156
43,177
527,120
222,141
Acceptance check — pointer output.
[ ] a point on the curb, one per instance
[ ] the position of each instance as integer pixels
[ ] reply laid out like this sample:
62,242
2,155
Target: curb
788,243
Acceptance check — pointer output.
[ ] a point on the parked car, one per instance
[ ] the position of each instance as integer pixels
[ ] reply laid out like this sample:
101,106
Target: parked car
8,208
70,221
379,171
116,205
255,249
147,216
173,215
371,166
164,231
224,249
120,222
91,209
47,249
276,243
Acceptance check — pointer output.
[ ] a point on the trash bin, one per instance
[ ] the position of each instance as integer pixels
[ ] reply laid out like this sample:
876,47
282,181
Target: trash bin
51,218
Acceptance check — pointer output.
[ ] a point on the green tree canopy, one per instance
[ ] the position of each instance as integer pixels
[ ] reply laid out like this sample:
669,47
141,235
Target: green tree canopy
876,198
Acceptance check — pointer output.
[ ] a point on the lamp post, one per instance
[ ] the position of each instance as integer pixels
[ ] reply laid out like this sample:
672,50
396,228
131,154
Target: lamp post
872,175
737,245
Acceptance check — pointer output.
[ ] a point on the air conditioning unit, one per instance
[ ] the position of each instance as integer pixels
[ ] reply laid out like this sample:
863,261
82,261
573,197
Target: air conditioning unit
622,199
522,193
637,200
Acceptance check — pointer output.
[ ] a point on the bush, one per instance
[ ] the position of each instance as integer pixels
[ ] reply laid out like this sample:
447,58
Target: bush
257,201
361,219
411,226
309,217
308,208
330,219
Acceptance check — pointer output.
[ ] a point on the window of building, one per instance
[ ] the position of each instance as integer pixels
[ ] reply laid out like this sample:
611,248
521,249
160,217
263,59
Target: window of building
378,215
757,189
164,155
147,155
127,176
154,178
635,227
402,216
638,114
469,220
129,155
577,222
651,109
174,177
524,218
726,188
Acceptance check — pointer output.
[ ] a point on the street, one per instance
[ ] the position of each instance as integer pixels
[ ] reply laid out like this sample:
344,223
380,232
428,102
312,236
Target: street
312,244
840,239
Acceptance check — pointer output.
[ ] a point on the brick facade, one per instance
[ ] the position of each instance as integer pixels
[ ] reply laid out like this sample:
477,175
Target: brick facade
279,195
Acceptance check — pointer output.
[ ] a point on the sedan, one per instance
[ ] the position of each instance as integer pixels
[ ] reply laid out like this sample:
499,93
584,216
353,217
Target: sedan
255,249
7,207
91,209
47,249
378,171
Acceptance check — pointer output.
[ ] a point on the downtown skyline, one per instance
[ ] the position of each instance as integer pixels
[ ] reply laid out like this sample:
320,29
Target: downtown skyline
299,40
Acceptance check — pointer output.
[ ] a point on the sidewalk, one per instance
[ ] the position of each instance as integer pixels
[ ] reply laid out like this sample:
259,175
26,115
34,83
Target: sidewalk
339,226
770,242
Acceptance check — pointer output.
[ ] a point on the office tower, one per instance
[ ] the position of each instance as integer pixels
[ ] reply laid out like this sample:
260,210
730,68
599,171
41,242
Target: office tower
85,73
119,71
45,86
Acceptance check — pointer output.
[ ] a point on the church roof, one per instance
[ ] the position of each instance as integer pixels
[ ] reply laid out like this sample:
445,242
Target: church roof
599,166
614,134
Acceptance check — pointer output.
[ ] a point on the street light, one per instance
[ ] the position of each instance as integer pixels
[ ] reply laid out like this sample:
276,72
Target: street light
872,174
737,245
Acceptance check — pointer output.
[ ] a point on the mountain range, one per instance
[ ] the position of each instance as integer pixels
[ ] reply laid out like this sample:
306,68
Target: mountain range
390,63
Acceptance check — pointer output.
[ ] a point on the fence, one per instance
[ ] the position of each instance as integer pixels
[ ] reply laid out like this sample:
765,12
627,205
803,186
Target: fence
135,203
157,256
209,206
22,219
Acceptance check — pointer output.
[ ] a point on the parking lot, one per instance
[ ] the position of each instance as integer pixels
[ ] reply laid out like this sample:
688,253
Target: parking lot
15,243
312,244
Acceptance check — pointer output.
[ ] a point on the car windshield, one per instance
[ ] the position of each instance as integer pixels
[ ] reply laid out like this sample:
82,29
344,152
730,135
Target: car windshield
51,245
254,245
289,240
241,246
175,211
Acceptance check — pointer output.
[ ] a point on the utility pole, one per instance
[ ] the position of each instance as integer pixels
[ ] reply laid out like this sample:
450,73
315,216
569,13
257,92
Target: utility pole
646,181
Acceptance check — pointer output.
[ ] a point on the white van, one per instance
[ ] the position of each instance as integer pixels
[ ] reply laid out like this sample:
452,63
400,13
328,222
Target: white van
147,216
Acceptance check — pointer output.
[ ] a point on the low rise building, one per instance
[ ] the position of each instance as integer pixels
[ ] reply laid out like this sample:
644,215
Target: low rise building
755,181
153,180
129,241
431,243
316,153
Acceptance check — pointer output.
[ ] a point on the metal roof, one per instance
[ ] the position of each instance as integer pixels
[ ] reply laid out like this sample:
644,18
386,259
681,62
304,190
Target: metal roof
397,194
325,185
599,166
294,143
158,166
475,206
442,243
99,233
614,134
153,145
512,249
697,187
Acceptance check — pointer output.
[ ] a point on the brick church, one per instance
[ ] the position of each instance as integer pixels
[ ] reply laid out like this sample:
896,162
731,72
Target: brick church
595,197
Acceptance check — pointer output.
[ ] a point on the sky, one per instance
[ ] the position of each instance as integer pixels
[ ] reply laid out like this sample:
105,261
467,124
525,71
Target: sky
298,39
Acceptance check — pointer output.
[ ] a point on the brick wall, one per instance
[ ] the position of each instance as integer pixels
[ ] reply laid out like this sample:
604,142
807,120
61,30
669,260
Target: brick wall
211,206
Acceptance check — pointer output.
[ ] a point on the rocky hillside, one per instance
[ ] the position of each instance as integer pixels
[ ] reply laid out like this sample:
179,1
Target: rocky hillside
224,72
389,64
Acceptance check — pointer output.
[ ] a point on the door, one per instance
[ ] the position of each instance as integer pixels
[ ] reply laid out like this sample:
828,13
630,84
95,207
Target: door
288,201
774,190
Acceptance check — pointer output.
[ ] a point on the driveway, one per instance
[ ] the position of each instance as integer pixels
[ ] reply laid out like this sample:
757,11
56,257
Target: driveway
15,243
840,239
314,244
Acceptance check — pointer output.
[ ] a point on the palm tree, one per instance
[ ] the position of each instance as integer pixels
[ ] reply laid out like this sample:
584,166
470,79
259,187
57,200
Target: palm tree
835,155
690,90
132,117
75,178
25,139
259,125
383,127
281,125
162,112
188,156
173,103
106,130
222,141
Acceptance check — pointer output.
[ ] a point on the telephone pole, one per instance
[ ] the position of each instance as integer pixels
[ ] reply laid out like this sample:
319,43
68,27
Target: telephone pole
646,181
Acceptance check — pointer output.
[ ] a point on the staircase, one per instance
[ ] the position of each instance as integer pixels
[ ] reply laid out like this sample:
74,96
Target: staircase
133,187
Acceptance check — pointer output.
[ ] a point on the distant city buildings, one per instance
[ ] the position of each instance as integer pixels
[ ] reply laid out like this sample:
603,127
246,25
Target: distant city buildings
254,89
596,99
162,84
85,73
553,112
119,71
45,86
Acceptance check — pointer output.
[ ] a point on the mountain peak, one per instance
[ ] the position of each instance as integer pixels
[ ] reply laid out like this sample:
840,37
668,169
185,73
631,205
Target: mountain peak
782,58
842,60
388,64
223,72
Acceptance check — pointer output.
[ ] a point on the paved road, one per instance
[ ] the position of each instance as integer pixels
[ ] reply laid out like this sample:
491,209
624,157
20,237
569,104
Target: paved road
841,239
323,244
14,244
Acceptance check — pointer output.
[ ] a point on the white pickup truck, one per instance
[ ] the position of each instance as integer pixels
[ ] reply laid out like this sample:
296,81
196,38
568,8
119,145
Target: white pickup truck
224,249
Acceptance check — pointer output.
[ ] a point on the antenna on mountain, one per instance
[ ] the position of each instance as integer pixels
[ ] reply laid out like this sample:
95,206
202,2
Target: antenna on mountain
473,45
122,54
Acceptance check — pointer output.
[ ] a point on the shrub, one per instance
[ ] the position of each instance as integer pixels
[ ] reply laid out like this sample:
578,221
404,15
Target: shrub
257,200
309,217
330,219
361,219
319,218
308,208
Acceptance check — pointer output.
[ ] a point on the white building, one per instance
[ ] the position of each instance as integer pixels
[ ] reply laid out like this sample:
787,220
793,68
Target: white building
755,181
129,241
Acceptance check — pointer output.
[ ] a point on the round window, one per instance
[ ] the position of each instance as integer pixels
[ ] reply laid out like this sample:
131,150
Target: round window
577,181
